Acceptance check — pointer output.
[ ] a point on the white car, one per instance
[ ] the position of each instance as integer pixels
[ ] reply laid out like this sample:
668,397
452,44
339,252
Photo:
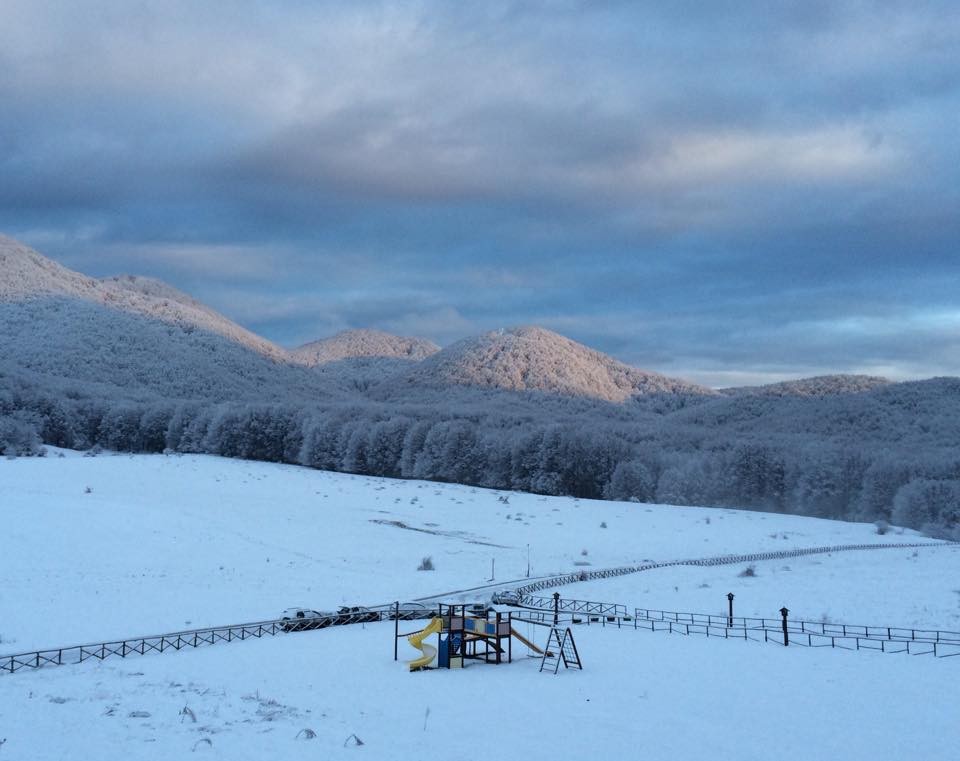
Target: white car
299,619
506,597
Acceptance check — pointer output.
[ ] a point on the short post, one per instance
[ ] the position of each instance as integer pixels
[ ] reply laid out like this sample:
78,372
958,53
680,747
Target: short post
786,635
729,609
556,608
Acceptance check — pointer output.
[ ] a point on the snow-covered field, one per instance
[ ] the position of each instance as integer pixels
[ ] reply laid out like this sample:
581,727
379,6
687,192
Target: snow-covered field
913,588
97,548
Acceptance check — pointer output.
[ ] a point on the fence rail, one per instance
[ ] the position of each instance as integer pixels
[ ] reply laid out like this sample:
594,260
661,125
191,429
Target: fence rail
804,633
526,592
528,599
545,610
850,641
818,628
715,626
192,638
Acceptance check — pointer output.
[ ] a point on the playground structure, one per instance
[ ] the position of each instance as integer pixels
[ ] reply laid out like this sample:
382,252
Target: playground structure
462,637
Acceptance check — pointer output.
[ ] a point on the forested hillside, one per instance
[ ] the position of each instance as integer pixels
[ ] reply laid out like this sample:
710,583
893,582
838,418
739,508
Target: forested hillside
152,370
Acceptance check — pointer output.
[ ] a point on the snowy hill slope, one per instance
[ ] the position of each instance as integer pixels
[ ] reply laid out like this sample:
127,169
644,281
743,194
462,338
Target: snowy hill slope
167,541
173,538
87,348
535,359
24,273
27,275
140,335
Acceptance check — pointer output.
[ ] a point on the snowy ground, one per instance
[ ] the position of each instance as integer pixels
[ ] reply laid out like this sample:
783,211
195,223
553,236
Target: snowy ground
666,696
162,543
913,588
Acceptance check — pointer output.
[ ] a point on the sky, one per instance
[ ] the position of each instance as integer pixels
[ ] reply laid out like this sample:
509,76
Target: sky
732,192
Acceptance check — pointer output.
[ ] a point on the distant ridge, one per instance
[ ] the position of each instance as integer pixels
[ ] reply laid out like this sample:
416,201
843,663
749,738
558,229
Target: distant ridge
354,344
49,314
821,385
531,358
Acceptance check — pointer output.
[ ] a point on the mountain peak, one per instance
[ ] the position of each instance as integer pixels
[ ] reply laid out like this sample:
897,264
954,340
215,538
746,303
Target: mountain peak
362,343
532,358
25,273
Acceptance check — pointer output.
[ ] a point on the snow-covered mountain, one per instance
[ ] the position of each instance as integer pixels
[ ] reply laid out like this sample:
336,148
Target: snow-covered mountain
144,334
354,344
134,333
535,359
26,275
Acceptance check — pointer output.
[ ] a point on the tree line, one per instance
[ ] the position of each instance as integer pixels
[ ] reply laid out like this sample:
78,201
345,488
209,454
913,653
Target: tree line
596,452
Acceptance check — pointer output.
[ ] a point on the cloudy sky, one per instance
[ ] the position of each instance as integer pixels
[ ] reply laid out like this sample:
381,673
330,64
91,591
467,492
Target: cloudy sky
728,191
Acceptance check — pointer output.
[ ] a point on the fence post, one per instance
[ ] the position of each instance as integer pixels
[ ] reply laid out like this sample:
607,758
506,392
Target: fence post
396,627
786,635
729,609
556,608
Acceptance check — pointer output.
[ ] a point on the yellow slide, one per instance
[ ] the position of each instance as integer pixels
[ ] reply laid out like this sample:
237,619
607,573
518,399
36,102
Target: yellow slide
526,642
429,651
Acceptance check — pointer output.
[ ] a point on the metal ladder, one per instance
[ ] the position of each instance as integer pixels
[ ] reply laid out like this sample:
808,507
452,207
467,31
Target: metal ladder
560,650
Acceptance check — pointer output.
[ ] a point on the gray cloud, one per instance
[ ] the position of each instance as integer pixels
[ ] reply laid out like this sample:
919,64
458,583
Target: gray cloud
726,190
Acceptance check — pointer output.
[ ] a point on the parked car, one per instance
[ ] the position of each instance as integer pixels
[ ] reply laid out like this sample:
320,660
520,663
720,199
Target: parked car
479,609
300,619
410,611
356,615
506,597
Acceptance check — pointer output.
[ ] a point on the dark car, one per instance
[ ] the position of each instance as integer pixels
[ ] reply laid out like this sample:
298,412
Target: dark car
356,615
410,611
479,610
301,619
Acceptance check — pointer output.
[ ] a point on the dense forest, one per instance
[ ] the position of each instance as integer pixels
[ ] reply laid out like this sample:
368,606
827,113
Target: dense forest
885,455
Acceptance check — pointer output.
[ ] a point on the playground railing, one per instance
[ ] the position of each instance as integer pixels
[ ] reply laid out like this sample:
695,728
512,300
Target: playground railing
573,606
